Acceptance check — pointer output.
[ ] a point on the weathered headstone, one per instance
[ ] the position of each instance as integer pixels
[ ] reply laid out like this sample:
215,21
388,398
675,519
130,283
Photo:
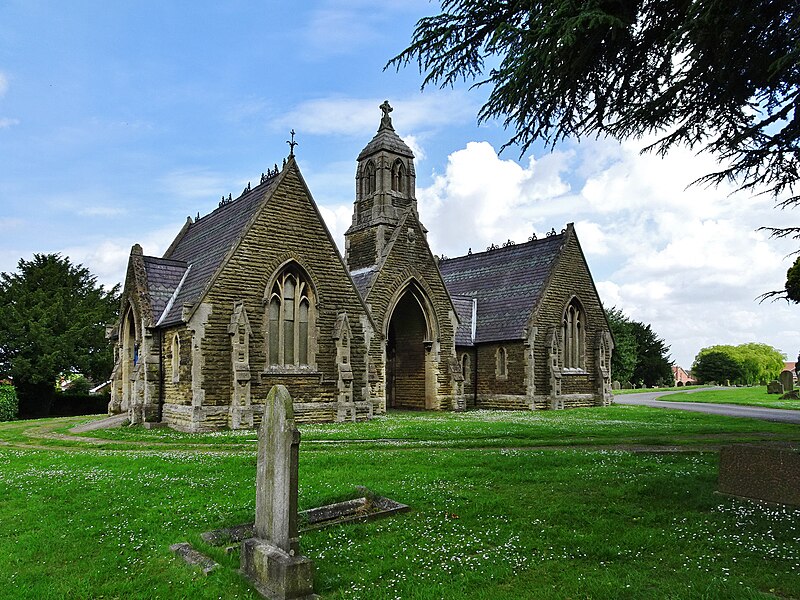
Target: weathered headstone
774,387
787,379
760,472
271,559
615,386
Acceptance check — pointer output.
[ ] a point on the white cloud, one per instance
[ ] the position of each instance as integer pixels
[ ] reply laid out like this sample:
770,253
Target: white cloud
482,199
107,258
359,117
5,122
3,84
687,260
338,218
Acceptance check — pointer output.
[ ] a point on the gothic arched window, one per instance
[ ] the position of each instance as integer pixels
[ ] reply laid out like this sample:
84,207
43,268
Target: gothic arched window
465,366
573,335
289,320
176,358
501,364
370,181
398,176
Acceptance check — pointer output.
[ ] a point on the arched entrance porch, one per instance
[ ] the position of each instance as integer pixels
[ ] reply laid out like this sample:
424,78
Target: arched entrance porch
410,371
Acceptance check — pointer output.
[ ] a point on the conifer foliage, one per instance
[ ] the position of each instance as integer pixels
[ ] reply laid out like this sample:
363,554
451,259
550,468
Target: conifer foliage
640,356
52,320
723,77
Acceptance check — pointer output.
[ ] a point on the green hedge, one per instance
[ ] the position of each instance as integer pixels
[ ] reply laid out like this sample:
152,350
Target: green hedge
8,403
72,405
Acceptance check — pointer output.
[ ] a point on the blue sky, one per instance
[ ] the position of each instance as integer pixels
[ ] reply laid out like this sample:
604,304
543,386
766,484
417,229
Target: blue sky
117,120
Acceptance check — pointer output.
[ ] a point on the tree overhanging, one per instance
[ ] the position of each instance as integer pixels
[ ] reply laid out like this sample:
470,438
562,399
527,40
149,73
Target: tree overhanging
719,77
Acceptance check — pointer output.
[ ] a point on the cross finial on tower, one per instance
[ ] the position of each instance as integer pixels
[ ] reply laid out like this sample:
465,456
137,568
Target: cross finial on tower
386,120
291,143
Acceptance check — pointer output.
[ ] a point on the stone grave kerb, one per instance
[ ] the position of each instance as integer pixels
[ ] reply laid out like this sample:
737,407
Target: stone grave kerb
277,473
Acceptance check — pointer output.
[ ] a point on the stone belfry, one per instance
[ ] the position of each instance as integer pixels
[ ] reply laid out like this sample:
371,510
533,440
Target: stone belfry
385,185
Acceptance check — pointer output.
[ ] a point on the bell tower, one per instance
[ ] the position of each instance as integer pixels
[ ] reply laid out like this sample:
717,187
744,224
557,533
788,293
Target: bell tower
385,190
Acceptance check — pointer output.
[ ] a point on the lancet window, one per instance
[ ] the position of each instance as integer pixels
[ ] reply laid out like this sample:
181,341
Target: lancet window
398,176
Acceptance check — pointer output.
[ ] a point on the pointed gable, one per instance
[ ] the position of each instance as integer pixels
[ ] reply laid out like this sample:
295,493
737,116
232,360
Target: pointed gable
204,244
507,282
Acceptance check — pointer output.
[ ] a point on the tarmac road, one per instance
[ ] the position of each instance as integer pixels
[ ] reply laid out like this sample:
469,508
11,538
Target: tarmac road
732,410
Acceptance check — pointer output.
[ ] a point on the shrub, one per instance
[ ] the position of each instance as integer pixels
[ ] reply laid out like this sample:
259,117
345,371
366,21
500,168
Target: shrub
72,405
8,403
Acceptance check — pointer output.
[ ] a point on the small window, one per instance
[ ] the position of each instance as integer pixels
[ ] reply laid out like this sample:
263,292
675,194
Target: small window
370,178
176,358
501,368
465,366
398,176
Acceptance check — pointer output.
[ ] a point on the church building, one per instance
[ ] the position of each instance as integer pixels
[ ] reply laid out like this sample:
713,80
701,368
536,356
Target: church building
256,293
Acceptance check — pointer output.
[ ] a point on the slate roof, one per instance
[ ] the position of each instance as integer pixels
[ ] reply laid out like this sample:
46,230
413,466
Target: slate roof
508,283
206,242
386,139
463,305
163,277
363,278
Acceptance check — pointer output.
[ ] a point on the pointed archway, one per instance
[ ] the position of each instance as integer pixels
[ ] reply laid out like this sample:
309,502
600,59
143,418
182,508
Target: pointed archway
130,358
409,370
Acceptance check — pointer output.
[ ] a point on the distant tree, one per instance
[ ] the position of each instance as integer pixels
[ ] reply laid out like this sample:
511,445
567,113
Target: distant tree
653,364
623,359
718,365
743,364
52,320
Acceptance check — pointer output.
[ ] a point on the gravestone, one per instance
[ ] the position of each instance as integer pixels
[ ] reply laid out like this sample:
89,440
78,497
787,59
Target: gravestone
787,379
760,472
615,386
774,387
271,559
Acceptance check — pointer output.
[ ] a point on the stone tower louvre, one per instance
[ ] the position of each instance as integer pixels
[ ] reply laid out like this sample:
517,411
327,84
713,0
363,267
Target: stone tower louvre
385,184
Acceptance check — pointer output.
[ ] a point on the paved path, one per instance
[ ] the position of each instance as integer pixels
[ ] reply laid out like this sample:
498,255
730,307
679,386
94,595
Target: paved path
779,415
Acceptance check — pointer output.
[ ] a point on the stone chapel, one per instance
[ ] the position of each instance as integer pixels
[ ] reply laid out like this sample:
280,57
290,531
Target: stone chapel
256,293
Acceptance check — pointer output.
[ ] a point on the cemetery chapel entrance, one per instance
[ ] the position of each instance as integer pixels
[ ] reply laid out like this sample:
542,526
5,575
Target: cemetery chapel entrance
408,351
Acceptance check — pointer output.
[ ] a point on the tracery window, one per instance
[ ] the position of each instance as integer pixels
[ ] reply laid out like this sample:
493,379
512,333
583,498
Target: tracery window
398,176
290,317
573,334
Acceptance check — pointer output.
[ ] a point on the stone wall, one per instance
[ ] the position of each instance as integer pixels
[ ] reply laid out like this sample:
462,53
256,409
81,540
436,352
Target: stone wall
494,390
286,229
409,261
571,278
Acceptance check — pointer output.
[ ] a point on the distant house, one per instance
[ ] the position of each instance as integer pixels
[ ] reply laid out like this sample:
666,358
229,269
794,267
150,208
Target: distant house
681,377
790,366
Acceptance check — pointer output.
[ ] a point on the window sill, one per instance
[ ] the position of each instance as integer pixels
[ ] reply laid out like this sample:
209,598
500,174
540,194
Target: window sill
574,371
297,371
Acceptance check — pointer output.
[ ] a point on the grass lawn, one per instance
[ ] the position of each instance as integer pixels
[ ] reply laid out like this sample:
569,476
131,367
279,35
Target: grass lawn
93,518
751,396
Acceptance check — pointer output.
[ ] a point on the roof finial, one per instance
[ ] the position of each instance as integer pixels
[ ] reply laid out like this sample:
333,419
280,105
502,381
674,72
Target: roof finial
386,120
291,143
